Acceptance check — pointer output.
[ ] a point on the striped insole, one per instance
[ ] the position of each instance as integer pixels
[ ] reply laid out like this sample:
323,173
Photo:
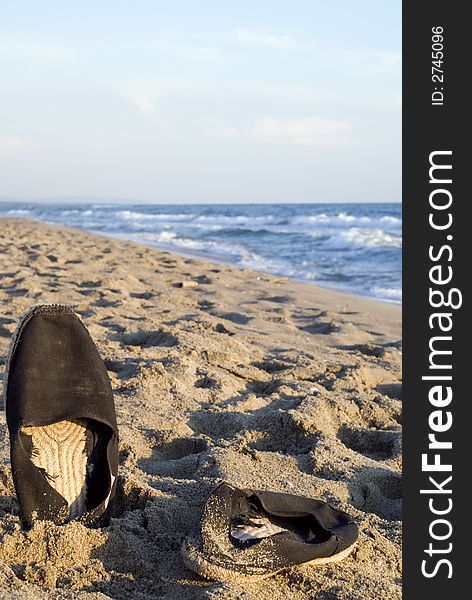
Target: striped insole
254,529
59,450
251,528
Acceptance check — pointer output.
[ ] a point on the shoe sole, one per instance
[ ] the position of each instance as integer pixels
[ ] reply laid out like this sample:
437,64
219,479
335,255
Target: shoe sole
195,561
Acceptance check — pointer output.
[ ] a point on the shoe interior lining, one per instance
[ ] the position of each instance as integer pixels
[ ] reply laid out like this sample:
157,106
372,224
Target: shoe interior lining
252,524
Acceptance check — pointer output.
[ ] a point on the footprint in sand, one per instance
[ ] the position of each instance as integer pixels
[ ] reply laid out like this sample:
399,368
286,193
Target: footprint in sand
264,388
141,295
277,299
179,458
90,284
392,390
322,327
148,339
273,365
220,328
280,431
130,496
206,304
207,382
123,369
203,279
377,491
103,303
376,444
15,292
233,317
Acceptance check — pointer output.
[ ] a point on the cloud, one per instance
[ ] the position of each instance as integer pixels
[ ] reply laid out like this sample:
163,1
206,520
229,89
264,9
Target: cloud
143,100
310,131
175,48
373,62
14,143
265,39
227,131
29,48
141,93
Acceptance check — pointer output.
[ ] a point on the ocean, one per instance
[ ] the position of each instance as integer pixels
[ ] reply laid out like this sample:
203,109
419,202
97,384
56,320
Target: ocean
350,247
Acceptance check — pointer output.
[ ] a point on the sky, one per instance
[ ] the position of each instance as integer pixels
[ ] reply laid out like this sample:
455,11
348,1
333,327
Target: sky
201,101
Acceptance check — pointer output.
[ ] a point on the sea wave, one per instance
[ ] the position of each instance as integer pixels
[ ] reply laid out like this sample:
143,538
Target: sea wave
20,212
355,237
393,294
142,216
170,237
344,219
239,254
295,224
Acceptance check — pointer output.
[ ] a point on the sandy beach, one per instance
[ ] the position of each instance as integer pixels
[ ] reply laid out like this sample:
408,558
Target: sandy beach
218,374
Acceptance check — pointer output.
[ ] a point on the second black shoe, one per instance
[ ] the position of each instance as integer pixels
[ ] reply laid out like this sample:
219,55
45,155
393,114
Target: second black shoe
253,534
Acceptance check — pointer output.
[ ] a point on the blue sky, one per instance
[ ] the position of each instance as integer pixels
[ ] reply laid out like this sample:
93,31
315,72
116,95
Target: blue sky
201,101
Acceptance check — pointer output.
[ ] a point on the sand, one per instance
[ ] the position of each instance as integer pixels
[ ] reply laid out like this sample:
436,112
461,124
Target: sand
218,374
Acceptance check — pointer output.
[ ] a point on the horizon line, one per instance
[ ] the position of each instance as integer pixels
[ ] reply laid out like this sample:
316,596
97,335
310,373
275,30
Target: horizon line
101,200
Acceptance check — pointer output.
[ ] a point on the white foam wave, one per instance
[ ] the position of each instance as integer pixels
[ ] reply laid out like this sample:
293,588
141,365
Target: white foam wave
236,253
394,294
131,215
393,220
18,212
252,260
343,219
235,218
312,225
355,237
204,246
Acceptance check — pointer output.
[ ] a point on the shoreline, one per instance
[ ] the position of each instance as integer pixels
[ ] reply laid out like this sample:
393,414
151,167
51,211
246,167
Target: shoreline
220,260
354,250
325,295
219,374
207,259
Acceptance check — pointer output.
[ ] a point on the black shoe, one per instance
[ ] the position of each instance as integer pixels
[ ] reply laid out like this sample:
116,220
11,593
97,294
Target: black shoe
254,534
61,418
